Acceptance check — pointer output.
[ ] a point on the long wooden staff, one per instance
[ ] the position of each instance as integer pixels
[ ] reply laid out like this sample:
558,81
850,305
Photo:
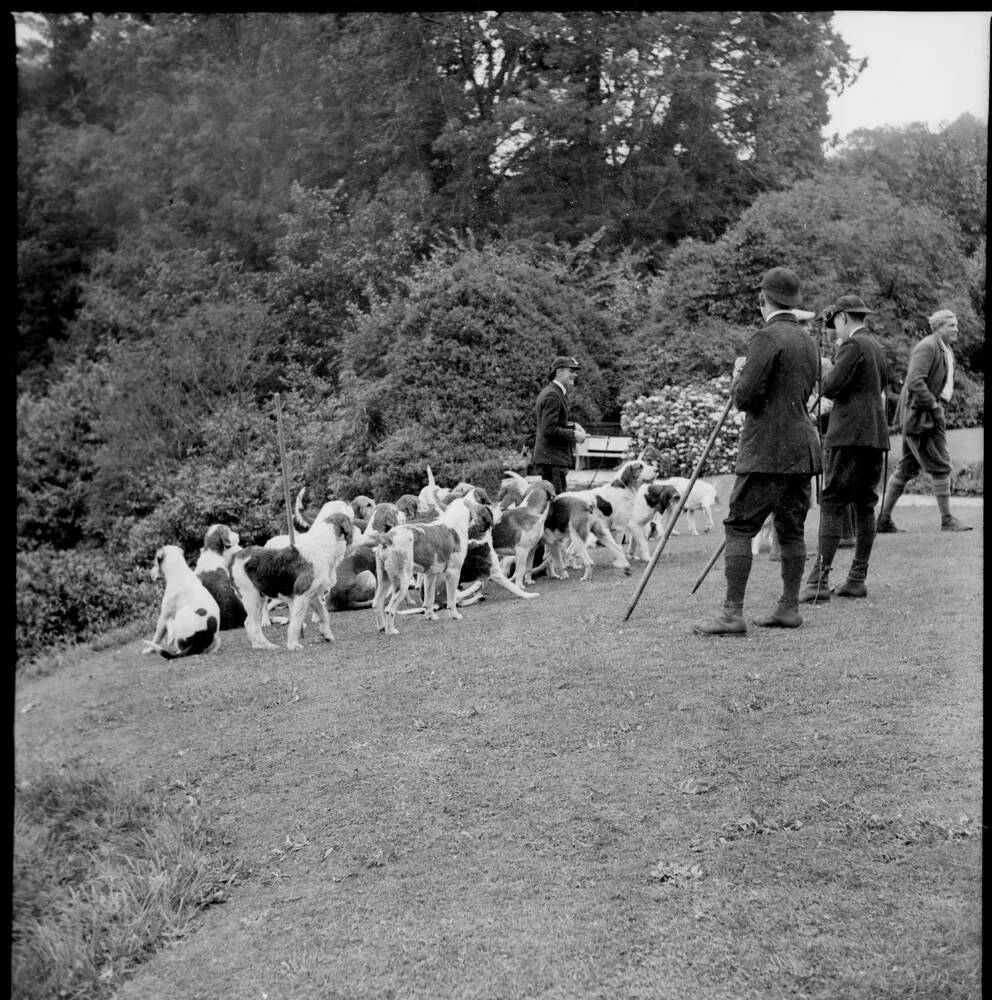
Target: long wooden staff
285,472
678,510
709,566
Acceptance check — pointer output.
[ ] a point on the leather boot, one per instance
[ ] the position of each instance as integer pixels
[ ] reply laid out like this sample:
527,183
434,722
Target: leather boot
784,616
942,494
817,587
854,585
730,621
893,490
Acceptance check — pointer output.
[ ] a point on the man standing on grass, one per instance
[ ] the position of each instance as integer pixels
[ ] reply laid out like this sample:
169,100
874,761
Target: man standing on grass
554,443
778,454
857,439
920,412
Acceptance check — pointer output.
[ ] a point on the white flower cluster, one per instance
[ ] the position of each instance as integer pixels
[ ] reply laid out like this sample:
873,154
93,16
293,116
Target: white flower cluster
672,428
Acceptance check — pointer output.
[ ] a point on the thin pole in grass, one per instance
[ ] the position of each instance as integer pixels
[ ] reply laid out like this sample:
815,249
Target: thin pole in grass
285,472
678,510
709,566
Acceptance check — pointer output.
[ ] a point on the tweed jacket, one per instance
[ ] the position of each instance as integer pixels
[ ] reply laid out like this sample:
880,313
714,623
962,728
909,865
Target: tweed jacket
855,384
779,374
921,391
555,441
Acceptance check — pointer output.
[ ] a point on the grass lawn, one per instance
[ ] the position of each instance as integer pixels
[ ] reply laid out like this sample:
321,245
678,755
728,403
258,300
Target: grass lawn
542,800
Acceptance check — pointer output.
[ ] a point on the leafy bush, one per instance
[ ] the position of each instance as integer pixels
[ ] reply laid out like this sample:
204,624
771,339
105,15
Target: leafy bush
672,428
57,446
71,596
967,405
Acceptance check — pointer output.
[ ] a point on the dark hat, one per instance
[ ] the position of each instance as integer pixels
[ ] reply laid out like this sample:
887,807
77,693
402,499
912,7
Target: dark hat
562,361
782,285
846,304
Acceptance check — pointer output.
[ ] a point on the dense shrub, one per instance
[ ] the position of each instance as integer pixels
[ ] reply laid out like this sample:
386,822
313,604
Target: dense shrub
72,596
672,428
57,444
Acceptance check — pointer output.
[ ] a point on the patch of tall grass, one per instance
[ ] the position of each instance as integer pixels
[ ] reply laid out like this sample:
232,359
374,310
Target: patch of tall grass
103,875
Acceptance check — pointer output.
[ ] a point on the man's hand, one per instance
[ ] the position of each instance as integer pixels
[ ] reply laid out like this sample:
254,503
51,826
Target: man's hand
580,434
939,420
738,366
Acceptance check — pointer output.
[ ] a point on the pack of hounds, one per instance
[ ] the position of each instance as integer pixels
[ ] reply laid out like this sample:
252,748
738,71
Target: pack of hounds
360,554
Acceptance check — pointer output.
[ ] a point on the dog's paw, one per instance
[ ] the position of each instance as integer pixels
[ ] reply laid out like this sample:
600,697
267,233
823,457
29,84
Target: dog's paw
292,647
526,597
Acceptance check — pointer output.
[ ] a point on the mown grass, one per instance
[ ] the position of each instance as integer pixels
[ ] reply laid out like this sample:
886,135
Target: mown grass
545,800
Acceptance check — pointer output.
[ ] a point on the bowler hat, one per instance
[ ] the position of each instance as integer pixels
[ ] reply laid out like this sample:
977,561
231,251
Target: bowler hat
562,361
853,304
782,286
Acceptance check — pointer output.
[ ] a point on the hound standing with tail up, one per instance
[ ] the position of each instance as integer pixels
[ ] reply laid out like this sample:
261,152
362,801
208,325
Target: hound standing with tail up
301,574
189,618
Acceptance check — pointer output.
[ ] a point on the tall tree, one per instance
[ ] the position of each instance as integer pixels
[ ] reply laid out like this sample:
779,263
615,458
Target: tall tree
946,169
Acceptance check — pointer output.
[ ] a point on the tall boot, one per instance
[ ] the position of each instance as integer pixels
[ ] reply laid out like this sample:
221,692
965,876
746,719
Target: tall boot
942,494
817,589
737,568
854,585
786,613
893,490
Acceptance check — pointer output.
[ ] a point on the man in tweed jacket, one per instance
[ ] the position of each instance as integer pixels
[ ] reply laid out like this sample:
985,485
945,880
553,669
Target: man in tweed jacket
778,454
857,439
920,412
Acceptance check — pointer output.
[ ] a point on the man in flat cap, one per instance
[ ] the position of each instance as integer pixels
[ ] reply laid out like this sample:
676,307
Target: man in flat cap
920,413
857,439
778,454
554,444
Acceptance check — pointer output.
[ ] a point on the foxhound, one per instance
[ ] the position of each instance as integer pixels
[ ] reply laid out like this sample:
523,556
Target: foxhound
650,500
213,567
189,618
437,548
521,528
301,574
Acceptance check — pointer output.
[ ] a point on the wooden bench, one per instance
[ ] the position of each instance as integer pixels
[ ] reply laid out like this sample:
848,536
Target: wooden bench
600,452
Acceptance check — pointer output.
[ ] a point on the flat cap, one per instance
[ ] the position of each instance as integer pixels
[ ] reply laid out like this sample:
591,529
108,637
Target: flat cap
562,361
846,304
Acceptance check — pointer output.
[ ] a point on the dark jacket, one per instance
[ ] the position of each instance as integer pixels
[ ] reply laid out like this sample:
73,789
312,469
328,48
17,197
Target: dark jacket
920,394
856,383
555,441
778,435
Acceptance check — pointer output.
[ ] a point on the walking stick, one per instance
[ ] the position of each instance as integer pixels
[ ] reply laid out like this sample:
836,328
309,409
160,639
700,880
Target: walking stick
709,566
285,474
678,510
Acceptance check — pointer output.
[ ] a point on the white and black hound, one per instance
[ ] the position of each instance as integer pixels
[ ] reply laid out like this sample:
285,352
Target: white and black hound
437,548
213,567
302,574
650,500
189,618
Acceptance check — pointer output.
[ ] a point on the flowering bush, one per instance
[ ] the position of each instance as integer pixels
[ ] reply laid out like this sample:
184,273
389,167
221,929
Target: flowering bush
672,428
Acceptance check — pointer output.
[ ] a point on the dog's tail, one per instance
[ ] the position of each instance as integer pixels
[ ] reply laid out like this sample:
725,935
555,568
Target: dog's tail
299,518
300,521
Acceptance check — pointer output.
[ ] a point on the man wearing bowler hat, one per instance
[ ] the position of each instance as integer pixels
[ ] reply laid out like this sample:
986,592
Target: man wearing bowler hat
554,444
857,439
778,454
